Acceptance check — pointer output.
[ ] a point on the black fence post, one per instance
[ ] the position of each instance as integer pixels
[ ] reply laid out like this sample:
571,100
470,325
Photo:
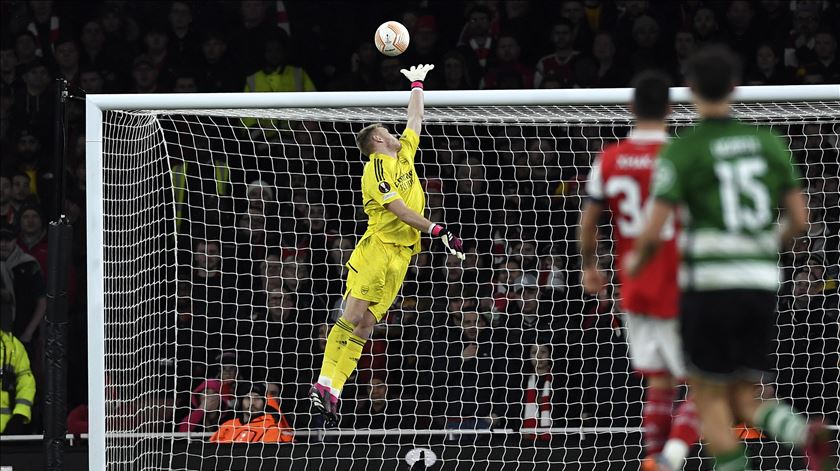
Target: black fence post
55,326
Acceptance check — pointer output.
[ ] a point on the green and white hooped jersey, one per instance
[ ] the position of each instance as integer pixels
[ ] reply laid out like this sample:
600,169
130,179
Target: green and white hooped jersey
729,179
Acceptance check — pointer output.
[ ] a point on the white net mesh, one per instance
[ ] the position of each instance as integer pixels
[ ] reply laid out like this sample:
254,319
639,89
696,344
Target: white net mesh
226,232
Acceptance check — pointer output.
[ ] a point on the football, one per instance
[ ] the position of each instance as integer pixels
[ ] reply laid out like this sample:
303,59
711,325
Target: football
391,38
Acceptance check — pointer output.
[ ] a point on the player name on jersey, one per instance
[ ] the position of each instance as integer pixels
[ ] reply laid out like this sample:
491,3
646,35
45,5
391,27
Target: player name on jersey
634,161
737,145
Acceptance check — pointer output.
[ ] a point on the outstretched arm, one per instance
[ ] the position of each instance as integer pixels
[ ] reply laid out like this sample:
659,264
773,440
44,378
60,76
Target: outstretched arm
417,73
415,110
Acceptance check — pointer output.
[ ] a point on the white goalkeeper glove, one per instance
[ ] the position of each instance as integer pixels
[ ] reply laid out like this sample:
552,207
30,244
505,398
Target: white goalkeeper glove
453,243
417,73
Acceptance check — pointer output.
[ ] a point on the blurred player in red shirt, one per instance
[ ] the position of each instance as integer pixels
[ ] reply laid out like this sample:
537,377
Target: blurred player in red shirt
620,184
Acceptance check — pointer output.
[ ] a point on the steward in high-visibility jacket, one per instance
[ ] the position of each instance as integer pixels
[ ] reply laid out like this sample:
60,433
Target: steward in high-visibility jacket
276,76
261,422
17,385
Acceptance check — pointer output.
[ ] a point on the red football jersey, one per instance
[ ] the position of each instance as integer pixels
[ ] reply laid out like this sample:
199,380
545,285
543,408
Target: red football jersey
620,179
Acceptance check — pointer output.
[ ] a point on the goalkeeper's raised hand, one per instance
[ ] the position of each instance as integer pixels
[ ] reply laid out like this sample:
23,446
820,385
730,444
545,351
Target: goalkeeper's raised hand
417,73
453,243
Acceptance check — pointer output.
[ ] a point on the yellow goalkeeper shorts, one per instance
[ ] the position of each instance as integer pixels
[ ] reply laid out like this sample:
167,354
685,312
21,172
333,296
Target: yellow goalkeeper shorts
375,273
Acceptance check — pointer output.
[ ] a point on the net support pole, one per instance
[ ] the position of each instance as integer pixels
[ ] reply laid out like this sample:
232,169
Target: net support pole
95,287
60,243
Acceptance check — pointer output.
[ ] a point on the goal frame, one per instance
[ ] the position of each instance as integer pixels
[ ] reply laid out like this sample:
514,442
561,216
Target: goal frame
96,105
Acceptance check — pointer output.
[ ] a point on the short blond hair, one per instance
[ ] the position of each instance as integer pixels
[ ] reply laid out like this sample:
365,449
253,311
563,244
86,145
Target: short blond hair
363,139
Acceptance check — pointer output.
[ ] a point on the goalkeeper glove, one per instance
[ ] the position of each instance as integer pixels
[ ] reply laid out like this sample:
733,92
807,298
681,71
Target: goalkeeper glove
417,73
453,243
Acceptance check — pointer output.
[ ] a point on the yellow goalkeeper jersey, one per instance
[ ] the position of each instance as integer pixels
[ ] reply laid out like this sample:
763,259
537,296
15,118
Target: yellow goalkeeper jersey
386,179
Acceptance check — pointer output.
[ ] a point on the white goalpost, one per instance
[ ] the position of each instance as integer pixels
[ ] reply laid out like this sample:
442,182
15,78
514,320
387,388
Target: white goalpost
218,226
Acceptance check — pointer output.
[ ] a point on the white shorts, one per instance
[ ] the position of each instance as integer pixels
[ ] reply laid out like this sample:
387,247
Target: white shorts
655,345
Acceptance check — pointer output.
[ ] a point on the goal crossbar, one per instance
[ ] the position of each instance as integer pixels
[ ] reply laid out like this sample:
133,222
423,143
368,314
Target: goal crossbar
440,98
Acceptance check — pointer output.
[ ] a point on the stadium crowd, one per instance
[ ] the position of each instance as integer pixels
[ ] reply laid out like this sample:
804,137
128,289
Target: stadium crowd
506,338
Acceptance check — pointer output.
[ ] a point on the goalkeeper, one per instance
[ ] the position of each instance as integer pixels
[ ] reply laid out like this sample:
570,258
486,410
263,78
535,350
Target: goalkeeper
394,201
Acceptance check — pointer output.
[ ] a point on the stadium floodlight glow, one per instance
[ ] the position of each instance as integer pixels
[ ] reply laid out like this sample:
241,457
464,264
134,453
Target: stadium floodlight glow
146,214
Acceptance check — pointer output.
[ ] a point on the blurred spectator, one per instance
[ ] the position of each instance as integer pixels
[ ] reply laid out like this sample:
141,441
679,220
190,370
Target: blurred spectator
67,59
45,25
376,411
21,190
120,31
145,76
17,384
539,390
601,69
32,160
33,235
364,70
214,65
26,47
156,52
559,64
273,338
520,19
425,46
259,420
110,58
706,28
456,73
646,54
183,40
799,49
34,102
508,72
91,80
574,11
743,34
767,68
250,38
463,371
626,20
185,83
276,75
212,401
23,288
476,41
774,16
684,46
824,68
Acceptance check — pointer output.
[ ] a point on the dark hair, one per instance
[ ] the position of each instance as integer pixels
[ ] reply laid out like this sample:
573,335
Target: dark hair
713,72
650,95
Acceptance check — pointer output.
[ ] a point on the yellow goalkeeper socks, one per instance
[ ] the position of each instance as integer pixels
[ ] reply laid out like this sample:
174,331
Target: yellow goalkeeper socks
349,358
334,351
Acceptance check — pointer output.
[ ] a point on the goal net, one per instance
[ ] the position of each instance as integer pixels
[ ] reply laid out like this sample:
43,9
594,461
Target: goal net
218,237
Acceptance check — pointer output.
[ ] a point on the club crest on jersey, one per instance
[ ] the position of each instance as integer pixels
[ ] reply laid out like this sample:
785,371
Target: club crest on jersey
384,187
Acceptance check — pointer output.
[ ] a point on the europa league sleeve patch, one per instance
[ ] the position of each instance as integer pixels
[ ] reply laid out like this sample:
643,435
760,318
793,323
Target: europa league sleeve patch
384,187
